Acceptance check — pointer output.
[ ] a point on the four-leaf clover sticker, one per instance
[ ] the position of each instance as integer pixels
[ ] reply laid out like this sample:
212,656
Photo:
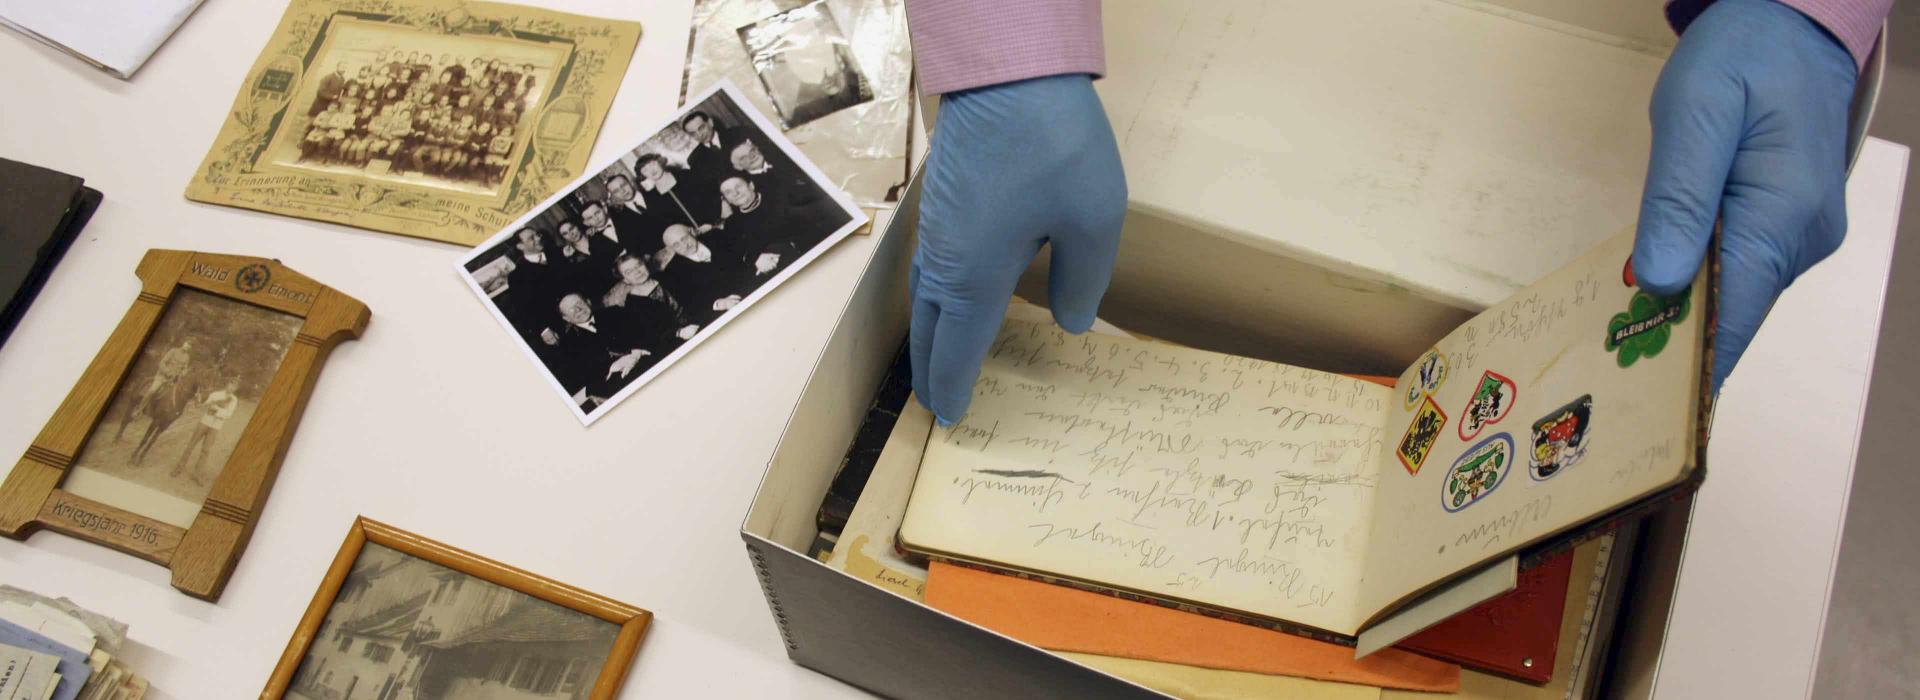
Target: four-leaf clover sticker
1642,330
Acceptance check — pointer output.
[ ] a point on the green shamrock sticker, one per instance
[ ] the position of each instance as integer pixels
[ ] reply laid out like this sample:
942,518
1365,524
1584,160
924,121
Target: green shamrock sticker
1642,330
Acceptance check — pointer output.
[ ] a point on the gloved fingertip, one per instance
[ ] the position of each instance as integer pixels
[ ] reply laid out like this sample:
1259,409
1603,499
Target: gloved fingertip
1663,273
921,398
965,333
1078,279
1666,285
1743,305
948,410
1723,362
1074,322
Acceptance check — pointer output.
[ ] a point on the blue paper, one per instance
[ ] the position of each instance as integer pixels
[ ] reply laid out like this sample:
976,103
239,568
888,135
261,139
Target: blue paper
73,667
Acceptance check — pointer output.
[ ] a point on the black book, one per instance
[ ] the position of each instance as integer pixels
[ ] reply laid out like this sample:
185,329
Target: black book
857,465
41,212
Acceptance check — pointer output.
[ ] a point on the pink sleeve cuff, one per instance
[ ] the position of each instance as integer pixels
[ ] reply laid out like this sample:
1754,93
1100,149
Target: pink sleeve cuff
1856,23
962,44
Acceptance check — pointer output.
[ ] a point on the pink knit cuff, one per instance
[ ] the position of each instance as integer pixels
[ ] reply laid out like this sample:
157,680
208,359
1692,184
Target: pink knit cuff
962,44
1856,23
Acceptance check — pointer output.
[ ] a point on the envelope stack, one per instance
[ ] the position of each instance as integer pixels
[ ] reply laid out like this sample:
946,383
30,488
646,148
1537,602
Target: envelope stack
53,649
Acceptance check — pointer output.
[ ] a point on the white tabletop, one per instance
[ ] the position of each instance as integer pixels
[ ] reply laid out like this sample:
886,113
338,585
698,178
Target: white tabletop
1758,570
432,422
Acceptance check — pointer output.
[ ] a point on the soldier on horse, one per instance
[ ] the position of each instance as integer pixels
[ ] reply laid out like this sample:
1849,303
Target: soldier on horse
163,399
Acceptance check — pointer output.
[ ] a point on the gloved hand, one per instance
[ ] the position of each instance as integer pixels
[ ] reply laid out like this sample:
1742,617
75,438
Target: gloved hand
1750,123
1012,166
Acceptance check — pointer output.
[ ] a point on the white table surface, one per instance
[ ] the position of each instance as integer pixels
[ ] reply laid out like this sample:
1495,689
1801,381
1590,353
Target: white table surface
434,423
1758,570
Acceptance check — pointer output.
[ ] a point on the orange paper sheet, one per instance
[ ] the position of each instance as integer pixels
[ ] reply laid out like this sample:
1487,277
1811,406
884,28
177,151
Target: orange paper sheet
1067,619
1387,382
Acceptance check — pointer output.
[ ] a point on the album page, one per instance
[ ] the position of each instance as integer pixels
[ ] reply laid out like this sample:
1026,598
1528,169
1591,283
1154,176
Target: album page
1180,475
1572,398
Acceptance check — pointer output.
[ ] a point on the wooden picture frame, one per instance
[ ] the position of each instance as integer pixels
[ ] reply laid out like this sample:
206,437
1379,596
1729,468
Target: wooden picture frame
36,494
631,622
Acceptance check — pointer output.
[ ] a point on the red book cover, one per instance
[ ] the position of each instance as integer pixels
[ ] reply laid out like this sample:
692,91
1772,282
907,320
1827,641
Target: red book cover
1515,635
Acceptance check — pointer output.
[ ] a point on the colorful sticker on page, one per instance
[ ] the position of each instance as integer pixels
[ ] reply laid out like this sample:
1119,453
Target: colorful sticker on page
1491,401
1477,473
1560,438
1643,329
1421,434
1431,372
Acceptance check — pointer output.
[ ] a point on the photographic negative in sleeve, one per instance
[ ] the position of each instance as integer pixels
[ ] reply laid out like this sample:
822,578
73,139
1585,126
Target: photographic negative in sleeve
405,627
610,282
805,63
176,417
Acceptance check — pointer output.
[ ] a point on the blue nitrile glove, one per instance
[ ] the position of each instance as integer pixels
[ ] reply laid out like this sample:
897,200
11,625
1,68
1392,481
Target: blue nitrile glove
1750,123
1013,166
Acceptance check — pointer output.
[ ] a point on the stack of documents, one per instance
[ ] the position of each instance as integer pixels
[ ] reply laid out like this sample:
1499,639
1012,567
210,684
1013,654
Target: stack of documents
27,675
116,36
52,649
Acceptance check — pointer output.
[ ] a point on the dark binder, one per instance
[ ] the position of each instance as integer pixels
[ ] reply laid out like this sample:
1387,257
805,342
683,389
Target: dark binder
41,212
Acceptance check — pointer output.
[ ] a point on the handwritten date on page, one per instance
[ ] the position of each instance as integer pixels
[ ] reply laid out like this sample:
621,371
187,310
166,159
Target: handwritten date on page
1178,473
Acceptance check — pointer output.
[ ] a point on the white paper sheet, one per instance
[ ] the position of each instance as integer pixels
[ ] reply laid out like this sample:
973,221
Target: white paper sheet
116,36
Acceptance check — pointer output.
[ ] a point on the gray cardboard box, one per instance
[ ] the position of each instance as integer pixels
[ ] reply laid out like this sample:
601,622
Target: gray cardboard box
1226,292
840,625
849,629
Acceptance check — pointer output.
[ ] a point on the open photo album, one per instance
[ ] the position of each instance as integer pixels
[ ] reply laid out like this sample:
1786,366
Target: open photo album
1314,502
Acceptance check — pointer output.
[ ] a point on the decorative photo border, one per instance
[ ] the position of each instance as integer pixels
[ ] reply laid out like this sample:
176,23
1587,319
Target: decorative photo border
203,555
238,171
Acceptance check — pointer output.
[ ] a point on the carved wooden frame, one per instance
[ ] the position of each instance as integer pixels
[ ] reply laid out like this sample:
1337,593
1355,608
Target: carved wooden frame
203,555
613,672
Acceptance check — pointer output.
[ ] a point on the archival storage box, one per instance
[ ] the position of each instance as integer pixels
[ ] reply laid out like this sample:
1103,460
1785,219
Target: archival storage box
1299,191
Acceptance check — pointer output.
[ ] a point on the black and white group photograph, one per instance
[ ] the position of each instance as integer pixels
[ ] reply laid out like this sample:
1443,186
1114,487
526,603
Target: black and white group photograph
610,282
405,106
805,62
403,628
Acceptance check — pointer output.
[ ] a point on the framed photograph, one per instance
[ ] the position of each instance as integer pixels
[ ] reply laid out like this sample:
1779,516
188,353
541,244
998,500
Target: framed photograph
607,284
169,443
432,118
805,63
402,616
